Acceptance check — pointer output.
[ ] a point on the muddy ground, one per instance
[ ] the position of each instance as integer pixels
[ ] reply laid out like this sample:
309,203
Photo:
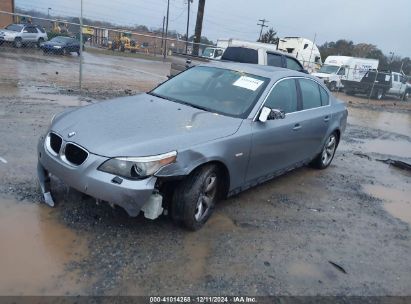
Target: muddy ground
276,239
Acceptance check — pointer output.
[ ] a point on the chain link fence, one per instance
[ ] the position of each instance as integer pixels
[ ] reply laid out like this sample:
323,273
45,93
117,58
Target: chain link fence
47,51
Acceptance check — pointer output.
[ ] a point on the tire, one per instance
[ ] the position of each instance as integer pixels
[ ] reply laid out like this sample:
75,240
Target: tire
406,96
39,42
325,157
333,86
18,43
195,197
378,94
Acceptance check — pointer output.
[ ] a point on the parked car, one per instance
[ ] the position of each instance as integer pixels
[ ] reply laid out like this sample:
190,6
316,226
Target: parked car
210,132
61,45
212,52
23,34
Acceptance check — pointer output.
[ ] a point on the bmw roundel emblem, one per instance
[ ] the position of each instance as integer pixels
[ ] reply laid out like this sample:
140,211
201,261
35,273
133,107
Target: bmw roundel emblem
71,134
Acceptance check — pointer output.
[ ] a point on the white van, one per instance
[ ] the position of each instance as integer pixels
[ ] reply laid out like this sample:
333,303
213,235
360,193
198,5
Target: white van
336,68
304,50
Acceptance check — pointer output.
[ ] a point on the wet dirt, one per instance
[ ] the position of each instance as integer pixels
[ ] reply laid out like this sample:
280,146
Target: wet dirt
275,239
35,250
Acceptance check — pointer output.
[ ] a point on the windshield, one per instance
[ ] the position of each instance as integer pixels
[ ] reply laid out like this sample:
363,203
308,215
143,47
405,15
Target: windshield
60,39
329,69
215,90
208,52
14,27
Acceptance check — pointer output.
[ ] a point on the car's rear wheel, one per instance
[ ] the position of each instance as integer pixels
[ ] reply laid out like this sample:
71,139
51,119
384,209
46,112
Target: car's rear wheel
195,197
324,159
18,43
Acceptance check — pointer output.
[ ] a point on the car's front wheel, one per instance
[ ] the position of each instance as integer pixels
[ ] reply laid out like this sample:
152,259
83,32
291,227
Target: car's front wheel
324,159
18,43
195,197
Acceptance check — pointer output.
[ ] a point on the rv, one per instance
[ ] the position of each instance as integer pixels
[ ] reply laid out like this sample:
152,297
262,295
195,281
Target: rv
304,50
336,68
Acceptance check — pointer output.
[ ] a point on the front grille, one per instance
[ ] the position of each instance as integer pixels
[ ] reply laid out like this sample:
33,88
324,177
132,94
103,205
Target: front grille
75,155
55,142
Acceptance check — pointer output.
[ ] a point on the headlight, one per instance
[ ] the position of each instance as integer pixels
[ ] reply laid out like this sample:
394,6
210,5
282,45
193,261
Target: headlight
57,47
137,167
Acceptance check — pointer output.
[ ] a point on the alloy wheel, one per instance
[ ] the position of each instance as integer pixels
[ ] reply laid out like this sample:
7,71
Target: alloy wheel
206,198
329,150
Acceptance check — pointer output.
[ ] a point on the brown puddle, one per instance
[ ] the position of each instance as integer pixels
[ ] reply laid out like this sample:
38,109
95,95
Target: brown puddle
392,122
35,249
396,202
388,147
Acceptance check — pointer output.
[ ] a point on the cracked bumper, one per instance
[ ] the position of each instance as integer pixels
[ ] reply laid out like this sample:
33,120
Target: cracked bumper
130,195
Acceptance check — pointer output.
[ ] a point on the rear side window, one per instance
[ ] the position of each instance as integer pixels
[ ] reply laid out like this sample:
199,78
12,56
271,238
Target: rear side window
41,29
239,54
283,96
310,94
325,98
293,64
274,60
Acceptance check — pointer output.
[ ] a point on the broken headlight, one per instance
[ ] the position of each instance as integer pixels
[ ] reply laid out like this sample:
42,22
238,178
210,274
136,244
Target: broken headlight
137,167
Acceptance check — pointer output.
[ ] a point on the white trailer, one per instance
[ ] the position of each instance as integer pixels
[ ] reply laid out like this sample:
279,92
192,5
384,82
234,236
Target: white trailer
304,50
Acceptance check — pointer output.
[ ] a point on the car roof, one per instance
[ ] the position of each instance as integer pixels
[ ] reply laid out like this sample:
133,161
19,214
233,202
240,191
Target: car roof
256,69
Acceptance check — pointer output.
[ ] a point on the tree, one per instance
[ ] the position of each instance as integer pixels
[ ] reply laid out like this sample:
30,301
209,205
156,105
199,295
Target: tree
269,36
199,26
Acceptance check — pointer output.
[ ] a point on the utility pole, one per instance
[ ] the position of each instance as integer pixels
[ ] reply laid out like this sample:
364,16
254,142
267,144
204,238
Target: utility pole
81,47
262,24
199,27
188,22
165,41
48,13
162,35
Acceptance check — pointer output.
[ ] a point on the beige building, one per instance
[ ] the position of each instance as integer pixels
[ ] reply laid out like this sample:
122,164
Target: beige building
6,6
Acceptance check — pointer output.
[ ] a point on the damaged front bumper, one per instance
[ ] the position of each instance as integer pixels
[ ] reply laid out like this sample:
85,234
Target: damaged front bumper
131,195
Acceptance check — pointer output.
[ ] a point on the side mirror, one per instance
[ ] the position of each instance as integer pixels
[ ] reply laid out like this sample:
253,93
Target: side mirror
270,114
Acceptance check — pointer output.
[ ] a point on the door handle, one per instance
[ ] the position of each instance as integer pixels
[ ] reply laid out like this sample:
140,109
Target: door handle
327,118
297,127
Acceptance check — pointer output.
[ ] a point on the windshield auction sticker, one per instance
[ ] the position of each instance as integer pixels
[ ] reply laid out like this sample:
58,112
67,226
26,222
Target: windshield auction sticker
248,83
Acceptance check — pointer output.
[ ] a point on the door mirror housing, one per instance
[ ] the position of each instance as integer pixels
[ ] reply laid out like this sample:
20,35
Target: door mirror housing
270,114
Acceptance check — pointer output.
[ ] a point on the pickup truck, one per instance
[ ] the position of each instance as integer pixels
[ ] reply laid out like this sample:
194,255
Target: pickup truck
379,84
243,55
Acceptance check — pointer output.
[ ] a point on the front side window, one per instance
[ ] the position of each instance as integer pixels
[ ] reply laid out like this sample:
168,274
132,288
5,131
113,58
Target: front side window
274,60
292,64
310,94
283,96
395,77
216,90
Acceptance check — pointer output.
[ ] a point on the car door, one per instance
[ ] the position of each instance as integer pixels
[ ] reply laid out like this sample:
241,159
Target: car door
31,33
314,117
275,143
395,89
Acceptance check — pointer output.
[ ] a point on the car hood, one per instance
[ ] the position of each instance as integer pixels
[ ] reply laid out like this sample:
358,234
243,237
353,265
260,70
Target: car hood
53,43
8,32
141,125
321,75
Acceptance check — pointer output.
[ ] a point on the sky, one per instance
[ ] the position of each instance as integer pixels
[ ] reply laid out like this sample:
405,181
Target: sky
386,24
